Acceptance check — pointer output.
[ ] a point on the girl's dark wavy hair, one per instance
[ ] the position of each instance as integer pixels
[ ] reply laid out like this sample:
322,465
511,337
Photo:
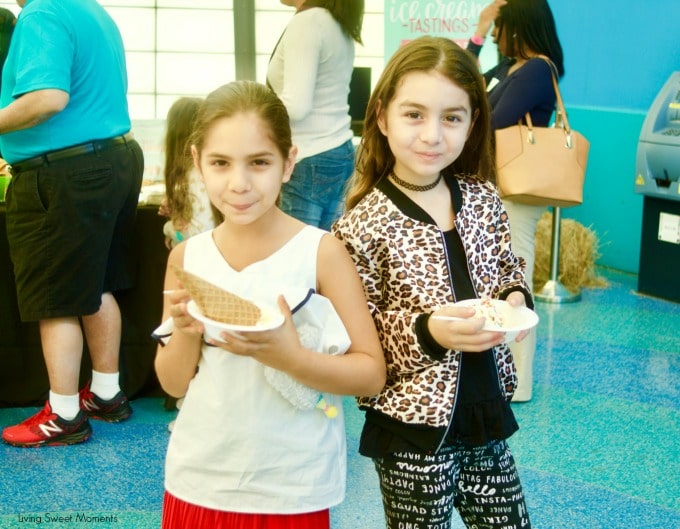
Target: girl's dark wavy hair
529,24
424,54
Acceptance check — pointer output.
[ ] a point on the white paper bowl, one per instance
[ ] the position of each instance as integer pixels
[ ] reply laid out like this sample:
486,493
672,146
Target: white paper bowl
515,319
271,319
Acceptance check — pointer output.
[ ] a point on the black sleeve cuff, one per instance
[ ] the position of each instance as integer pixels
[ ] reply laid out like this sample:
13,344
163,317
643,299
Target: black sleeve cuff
430,347
473,48
528,298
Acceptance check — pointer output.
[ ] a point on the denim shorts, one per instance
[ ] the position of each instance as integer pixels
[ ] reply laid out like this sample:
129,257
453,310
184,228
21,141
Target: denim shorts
70,227
315,193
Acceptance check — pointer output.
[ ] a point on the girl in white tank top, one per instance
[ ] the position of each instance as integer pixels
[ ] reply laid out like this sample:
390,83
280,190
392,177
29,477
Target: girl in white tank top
241,452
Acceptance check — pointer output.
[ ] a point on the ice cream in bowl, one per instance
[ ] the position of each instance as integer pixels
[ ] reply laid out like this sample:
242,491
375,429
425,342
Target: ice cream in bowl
500,316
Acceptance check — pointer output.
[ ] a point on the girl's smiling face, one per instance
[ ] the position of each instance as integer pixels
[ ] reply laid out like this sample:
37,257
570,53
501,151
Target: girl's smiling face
242,168
426,125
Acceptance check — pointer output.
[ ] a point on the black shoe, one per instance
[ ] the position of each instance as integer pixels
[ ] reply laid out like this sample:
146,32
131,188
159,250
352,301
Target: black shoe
116,409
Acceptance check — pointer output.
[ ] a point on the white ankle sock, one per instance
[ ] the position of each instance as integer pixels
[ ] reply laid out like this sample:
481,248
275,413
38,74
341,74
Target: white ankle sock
105,385
66,406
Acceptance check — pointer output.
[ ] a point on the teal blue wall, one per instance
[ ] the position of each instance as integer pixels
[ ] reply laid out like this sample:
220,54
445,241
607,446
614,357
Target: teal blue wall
618,55
610,205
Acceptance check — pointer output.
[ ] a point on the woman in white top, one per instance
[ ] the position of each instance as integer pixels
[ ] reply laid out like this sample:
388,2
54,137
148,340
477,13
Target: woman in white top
310,70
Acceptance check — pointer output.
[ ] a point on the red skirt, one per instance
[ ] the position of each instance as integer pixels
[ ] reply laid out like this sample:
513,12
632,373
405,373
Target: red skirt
178,514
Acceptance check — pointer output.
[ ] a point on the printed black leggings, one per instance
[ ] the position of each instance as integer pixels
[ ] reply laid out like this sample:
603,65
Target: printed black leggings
420,491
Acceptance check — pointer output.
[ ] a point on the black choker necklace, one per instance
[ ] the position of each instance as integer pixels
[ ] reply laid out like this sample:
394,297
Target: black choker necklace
413,187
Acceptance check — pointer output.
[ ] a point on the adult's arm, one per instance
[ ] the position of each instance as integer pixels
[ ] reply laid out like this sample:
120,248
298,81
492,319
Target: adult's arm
487,17
31,109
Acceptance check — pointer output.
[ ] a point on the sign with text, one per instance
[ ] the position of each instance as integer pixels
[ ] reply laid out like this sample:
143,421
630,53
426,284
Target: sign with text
456,19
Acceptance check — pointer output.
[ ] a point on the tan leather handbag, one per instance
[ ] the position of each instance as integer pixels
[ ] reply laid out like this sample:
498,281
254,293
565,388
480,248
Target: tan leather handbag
542,166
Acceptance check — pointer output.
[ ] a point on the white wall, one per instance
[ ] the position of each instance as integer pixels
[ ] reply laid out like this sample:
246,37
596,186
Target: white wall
186,47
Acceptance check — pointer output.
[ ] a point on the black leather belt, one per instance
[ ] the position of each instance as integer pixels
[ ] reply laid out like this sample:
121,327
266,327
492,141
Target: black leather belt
70,152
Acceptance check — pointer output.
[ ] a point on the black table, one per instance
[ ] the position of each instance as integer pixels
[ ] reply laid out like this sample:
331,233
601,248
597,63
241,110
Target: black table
23,375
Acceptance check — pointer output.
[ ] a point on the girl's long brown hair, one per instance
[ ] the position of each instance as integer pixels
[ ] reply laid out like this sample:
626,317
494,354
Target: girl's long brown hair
179,126
424,54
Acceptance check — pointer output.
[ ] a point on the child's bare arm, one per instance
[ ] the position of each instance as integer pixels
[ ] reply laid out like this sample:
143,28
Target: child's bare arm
176,361
360,371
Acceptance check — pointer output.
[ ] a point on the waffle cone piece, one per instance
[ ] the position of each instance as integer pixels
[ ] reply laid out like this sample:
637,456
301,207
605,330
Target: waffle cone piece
216,303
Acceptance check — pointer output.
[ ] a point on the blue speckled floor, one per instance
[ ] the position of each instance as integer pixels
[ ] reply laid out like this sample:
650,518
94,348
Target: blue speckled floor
598,446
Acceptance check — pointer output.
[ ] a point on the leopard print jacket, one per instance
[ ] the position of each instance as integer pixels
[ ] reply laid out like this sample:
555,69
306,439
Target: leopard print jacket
405,270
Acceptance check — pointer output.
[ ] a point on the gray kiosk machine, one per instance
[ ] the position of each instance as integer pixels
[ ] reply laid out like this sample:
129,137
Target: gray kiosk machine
657,177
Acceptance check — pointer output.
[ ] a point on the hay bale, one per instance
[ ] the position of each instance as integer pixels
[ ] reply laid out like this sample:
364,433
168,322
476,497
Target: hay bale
578,253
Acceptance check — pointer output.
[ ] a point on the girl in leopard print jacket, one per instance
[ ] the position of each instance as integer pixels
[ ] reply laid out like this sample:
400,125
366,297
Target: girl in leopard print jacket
426,228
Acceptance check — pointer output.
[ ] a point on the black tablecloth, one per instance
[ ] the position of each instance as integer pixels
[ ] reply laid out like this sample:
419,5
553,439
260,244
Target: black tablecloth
23,376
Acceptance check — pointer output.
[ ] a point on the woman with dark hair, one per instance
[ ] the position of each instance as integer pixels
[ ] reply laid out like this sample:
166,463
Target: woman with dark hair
310,70
521,82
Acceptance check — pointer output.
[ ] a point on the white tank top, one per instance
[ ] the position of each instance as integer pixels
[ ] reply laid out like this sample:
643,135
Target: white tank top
237,444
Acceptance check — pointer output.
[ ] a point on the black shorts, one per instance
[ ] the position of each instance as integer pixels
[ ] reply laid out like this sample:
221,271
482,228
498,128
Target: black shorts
70,227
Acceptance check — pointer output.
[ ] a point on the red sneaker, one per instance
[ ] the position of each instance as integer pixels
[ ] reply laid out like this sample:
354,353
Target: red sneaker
46,428
116,409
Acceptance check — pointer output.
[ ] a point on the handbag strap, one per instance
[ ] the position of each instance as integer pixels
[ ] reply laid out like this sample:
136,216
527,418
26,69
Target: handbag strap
561,119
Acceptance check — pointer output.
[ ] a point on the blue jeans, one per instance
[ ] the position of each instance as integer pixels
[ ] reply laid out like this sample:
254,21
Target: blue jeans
316,191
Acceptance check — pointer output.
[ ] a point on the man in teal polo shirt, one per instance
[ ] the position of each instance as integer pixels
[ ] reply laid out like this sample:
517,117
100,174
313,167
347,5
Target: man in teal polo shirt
71,203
